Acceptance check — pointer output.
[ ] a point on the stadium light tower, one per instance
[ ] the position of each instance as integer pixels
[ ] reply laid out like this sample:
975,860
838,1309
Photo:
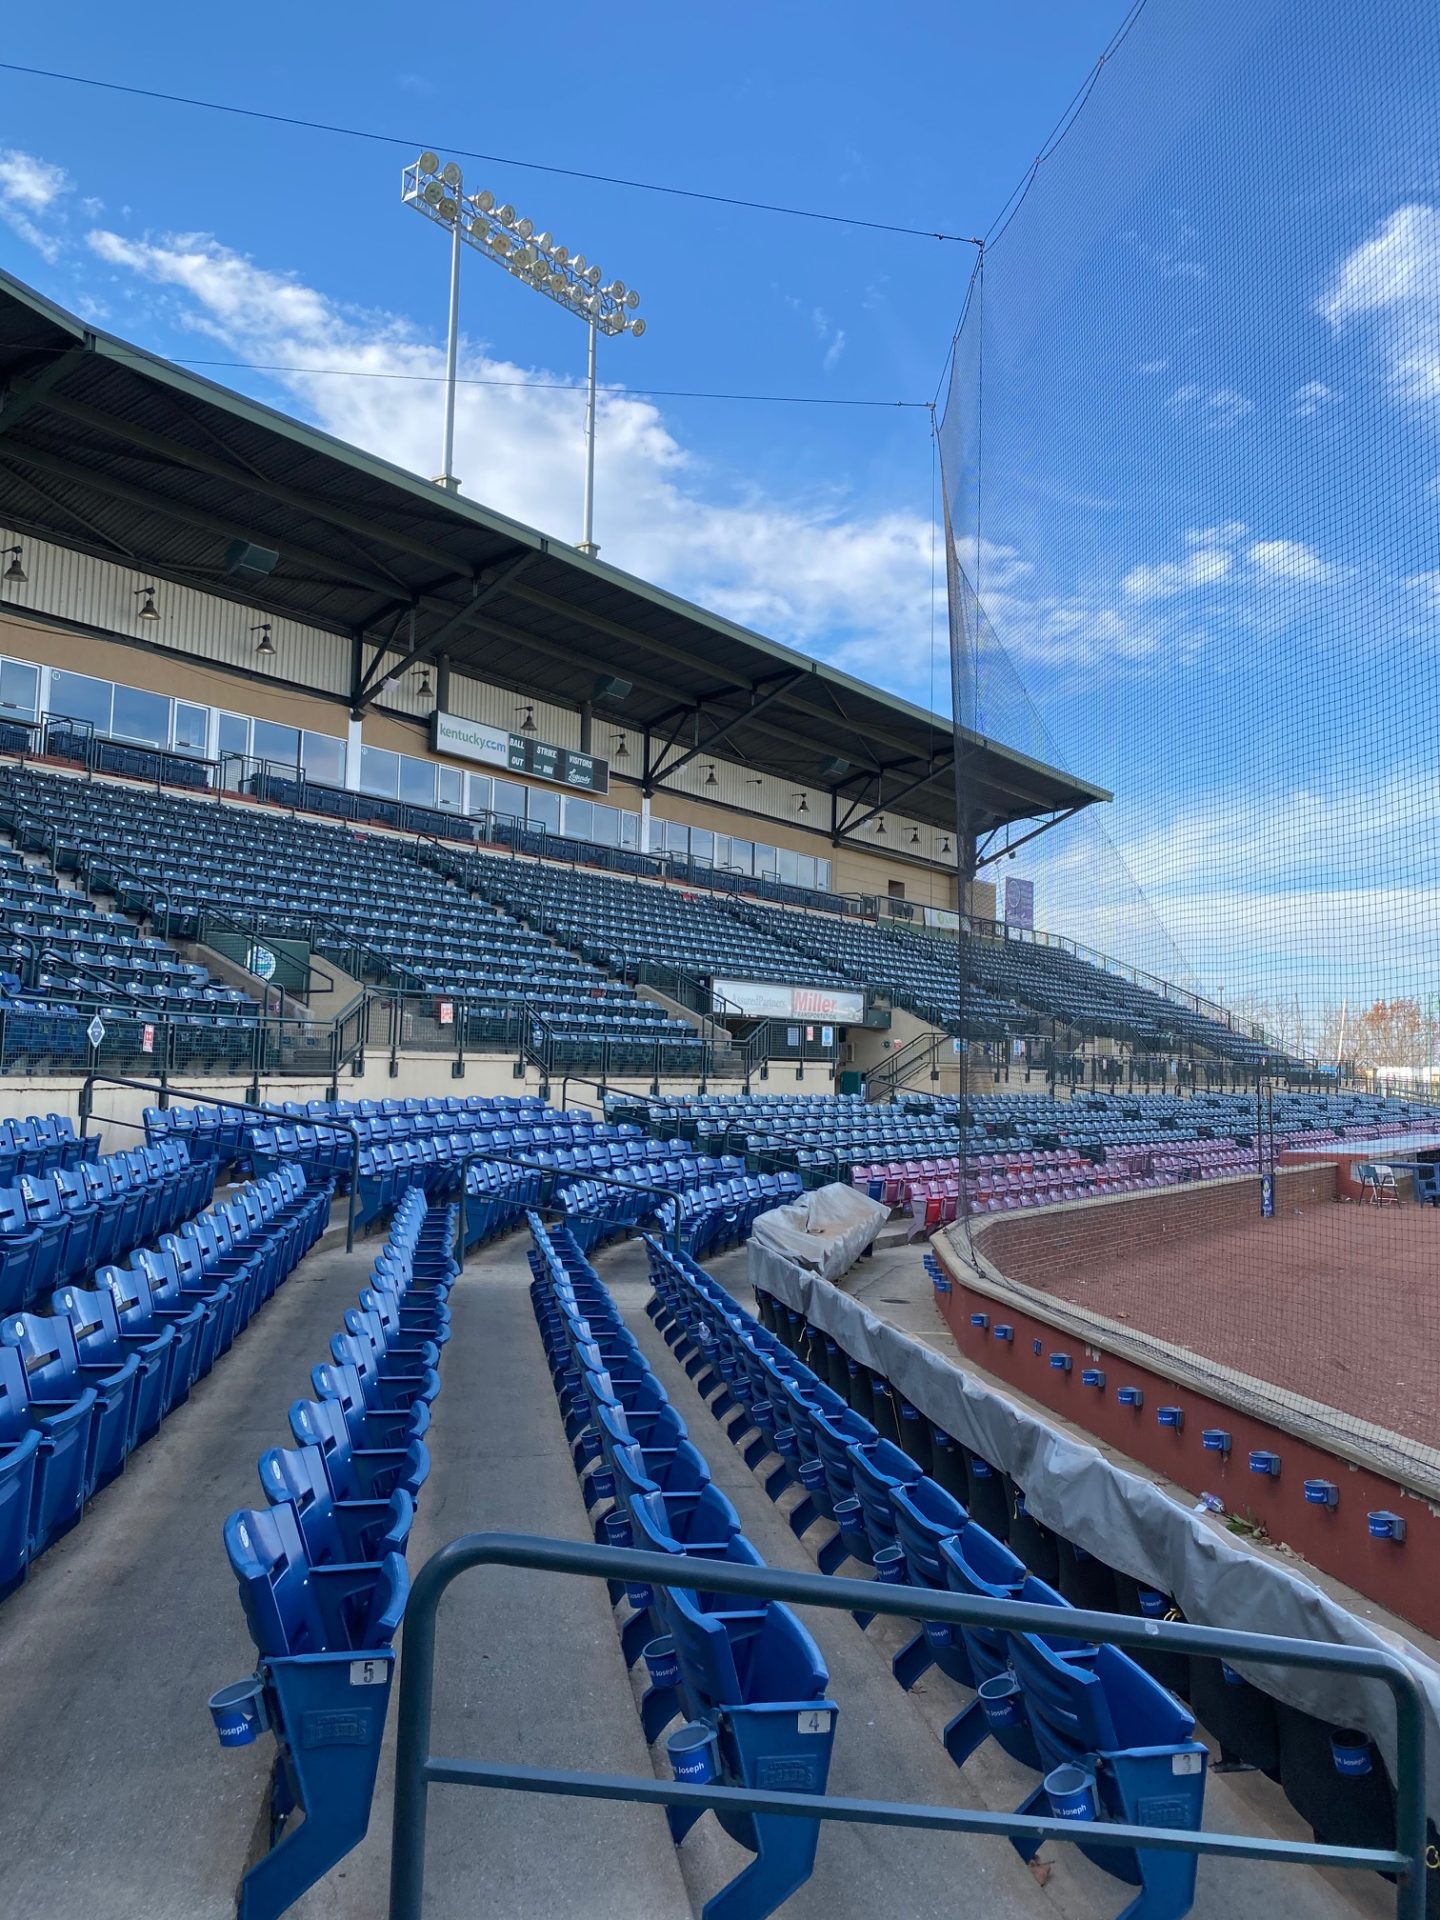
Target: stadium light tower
571,281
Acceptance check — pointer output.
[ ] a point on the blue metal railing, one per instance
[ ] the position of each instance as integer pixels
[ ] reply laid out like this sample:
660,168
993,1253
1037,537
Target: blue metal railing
417,1768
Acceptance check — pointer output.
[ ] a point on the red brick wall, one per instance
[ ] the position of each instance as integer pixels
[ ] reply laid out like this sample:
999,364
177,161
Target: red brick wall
1404,1577
1033,1247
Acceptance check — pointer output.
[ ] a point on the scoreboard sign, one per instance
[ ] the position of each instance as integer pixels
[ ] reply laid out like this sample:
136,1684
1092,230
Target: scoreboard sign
518,753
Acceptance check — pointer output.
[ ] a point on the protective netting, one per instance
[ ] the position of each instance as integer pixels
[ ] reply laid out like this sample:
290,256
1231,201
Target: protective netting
1191,452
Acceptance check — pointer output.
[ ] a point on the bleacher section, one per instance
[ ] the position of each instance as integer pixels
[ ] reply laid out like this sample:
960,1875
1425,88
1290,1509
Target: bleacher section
321,1570
738,1694
89,1372
344,892
1020,1150
1057,1707
625,926
548,955
748,1683
1007,984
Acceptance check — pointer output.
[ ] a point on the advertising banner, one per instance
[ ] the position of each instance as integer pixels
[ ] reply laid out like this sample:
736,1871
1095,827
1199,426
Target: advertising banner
774,1000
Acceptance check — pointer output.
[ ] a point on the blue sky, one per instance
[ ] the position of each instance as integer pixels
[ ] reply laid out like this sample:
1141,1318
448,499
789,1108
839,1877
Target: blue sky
1212,455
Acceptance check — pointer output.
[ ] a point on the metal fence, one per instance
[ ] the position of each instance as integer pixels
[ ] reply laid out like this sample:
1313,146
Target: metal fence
417,1768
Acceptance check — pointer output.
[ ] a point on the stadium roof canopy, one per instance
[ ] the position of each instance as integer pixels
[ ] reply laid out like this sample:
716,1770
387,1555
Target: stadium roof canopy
114,451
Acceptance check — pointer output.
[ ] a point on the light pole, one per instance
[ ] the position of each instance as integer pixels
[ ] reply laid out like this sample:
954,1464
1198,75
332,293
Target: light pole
570,281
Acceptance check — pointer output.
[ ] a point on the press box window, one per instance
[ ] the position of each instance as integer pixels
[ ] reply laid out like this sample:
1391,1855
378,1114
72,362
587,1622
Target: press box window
78,697
141,716
19,688
191,725
324,759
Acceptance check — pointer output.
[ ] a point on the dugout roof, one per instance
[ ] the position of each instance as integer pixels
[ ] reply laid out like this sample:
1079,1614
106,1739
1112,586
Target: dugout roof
114,451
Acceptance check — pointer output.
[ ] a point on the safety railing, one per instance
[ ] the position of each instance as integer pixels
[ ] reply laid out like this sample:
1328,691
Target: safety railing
417,1768
165,1093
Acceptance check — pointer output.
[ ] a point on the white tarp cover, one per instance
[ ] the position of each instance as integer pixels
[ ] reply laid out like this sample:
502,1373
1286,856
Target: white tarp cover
824,1232
1074,1490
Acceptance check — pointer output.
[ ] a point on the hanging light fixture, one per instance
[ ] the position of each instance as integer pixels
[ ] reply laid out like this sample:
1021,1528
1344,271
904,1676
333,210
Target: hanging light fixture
945,844
914,836
804,806
426,690
622,752
710,779
15,574
148,608
880,828
527,725
264,646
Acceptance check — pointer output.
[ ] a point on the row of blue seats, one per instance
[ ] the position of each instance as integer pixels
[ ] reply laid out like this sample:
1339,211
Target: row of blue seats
1088,1718
61,1225
321,1568
40,1144
83,1386
747,1679
717,1208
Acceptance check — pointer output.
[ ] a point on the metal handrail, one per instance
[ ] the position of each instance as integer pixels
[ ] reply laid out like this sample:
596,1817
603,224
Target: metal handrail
416,1767
165,1092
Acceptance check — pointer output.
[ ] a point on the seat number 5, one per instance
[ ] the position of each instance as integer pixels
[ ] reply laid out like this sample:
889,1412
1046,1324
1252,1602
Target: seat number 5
367,1673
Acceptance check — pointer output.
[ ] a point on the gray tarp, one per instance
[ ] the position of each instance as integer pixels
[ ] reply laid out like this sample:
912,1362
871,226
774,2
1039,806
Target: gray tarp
823,1232
1070,1487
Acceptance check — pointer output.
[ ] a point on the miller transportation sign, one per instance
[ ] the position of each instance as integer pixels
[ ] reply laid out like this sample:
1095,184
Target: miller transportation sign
773,1000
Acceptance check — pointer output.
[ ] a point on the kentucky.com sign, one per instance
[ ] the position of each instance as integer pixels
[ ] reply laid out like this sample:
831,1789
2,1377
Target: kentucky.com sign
469,739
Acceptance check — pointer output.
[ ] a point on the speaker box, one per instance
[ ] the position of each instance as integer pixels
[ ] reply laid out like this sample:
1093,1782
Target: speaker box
250,564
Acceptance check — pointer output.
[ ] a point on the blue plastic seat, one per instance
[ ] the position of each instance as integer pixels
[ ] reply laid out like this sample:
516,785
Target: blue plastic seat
357,1471
103,1346
61,1460
56,1376
334,1531
1095,1709
323,1634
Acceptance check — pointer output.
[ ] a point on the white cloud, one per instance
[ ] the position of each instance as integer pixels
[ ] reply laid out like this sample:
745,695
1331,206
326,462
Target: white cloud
1211,407
1153,366
1311,399
1202,567
1290,560
30,186
28,182
819,573
1395,276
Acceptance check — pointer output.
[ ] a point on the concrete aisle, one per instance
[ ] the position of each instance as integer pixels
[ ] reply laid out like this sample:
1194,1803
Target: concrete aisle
117,1799
528,1669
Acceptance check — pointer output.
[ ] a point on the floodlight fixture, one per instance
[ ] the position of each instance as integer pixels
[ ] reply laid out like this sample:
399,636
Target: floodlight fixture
710,780
622,752
15,574
527,725
804,806
148,609
426,690
264,646
540,262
